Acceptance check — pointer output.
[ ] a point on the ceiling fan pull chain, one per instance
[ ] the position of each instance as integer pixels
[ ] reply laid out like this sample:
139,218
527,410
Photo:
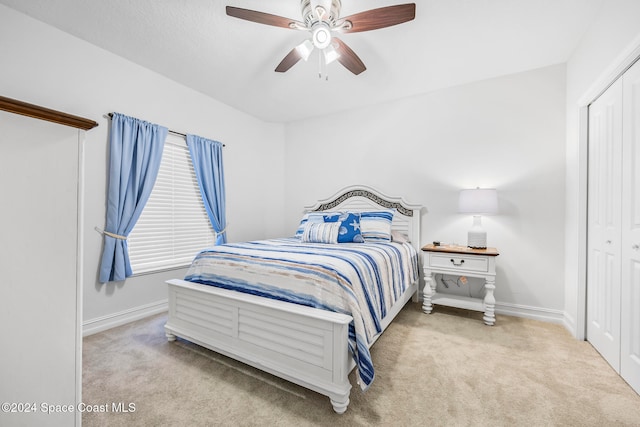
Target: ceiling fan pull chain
323,67
326,69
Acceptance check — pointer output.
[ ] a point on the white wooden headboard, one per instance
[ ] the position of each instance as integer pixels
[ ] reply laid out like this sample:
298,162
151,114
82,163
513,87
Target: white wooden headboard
359,198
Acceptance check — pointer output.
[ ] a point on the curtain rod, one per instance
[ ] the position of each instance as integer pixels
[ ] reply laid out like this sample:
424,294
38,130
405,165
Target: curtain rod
169,130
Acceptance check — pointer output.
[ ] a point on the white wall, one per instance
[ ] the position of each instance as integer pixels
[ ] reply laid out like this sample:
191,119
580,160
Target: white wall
501,132
506,133
39,291
45,66
611,36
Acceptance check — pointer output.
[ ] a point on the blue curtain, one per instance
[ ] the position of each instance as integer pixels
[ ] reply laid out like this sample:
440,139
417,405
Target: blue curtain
206,156
135,153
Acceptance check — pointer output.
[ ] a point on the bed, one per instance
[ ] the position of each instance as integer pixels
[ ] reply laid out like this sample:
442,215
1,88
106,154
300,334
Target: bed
303,343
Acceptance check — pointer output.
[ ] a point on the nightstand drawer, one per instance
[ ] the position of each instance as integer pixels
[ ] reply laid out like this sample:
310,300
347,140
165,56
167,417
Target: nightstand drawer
461,262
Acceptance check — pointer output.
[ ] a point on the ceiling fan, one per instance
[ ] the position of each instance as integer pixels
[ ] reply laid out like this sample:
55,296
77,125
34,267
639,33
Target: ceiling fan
321,18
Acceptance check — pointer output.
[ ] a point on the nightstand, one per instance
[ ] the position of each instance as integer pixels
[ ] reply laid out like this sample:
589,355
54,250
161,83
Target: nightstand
460,261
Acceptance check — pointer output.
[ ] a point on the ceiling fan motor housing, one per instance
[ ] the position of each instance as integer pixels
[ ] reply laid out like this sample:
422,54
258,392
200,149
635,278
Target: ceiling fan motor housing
310,18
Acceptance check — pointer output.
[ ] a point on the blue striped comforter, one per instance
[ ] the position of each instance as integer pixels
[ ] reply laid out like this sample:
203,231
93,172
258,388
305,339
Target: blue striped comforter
360,279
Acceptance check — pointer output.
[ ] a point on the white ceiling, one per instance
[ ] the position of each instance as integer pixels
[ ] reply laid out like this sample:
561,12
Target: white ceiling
450,42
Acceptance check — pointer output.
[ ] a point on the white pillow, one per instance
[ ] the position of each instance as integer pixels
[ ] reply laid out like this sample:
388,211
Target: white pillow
376,225
399,237
309,217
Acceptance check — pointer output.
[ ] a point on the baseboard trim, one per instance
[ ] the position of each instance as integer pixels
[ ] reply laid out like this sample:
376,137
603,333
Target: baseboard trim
570,325
528,312
99,324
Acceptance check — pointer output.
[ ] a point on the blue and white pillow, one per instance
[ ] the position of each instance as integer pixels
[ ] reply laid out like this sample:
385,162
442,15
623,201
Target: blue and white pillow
321,232
311,217
349,226
376,225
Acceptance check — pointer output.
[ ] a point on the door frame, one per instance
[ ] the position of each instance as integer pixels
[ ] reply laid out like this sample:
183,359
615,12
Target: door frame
615,70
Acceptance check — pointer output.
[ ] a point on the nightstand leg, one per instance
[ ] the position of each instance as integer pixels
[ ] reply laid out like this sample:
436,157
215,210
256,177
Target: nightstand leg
489,302
429,291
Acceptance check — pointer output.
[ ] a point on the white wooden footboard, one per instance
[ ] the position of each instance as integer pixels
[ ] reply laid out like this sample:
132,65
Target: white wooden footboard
304,345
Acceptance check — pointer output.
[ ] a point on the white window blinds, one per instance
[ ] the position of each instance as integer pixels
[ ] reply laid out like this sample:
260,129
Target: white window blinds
174,225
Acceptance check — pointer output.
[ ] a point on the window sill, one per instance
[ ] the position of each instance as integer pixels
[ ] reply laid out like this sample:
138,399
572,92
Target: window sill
159,270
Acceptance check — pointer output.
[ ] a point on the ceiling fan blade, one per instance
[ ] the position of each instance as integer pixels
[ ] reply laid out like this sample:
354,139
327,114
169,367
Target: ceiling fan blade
289,61
264,18
348,57
378,18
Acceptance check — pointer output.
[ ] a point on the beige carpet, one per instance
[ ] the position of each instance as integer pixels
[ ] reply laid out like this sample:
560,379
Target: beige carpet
443,369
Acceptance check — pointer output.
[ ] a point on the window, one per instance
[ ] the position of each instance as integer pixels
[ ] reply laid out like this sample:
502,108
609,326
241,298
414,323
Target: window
174,225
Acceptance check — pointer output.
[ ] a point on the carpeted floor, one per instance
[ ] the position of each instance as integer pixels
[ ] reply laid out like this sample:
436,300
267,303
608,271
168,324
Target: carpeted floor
443,369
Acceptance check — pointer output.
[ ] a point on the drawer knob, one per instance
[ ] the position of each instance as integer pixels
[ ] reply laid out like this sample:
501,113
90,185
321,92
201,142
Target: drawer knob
458,263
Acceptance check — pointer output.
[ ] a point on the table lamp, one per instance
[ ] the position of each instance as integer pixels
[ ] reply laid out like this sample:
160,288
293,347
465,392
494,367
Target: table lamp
478,201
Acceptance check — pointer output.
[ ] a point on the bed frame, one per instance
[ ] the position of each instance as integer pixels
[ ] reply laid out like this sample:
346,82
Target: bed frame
304,345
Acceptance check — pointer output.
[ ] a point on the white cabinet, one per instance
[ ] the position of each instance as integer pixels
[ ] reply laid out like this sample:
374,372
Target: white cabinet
613,251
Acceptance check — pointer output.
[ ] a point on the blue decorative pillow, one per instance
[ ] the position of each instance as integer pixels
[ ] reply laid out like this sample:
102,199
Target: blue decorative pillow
320,232
349,226
376,225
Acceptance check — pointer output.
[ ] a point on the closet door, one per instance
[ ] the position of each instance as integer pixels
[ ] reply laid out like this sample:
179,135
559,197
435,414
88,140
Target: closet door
630,310
604,224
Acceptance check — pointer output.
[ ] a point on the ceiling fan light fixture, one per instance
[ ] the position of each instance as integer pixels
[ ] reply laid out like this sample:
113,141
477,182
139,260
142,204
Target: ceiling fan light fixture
330,54
321,36
304,49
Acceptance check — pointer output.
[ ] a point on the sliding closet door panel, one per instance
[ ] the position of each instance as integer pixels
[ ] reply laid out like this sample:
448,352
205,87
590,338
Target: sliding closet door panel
604,222
630,321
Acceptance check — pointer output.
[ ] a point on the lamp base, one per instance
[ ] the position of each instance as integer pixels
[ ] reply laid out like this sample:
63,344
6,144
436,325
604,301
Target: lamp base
477,237
477,240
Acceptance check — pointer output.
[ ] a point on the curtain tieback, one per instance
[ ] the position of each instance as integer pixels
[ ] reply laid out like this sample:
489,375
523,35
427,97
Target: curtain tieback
107,233
224,230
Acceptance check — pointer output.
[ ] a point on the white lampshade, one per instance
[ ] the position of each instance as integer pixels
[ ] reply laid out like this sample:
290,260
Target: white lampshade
478,201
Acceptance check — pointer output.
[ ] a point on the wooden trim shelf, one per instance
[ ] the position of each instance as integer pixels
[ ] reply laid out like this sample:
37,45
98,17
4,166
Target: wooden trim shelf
42,113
